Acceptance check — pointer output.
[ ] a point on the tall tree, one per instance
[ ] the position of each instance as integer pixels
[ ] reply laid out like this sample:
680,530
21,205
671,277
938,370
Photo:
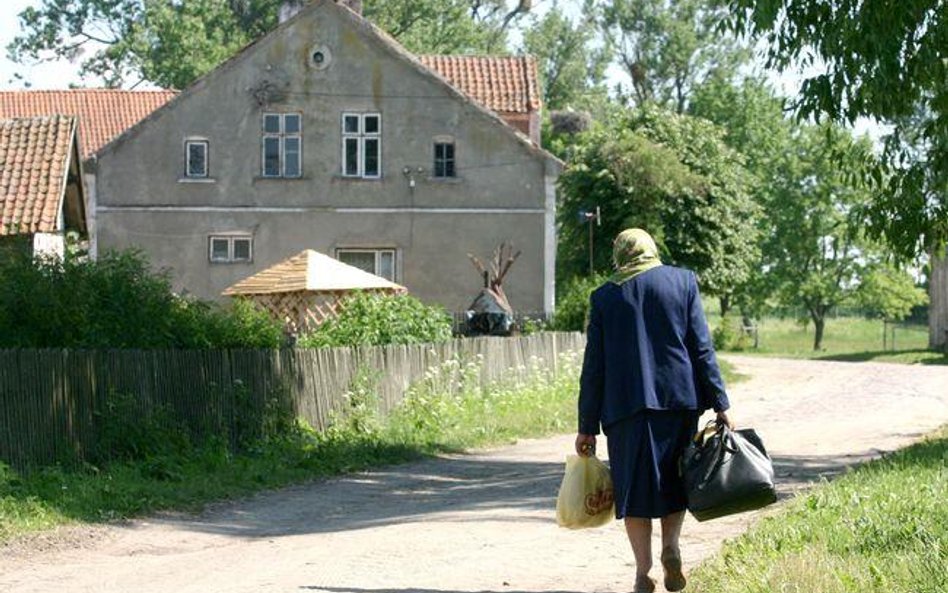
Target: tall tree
816,251
571,64
883,60
756,126
170,43
672,175
668,46
163,42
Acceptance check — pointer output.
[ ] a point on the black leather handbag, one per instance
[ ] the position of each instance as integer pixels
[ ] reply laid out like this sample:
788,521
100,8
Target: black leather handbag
727,472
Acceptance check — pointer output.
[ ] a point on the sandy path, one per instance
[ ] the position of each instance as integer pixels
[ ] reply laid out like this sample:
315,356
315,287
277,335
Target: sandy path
474,523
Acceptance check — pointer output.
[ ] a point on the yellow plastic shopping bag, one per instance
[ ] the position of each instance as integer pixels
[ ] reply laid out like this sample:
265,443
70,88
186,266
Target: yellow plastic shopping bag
586,496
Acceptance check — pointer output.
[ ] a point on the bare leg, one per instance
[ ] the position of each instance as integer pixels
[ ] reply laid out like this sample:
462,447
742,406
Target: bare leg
640,536
671,553
671,530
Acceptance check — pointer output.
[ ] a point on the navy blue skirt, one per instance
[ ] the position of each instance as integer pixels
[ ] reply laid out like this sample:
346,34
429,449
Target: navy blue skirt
643,457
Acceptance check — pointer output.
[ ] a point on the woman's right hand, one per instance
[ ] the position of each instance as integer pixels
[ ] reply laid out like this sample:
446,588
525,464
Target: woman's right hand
725,420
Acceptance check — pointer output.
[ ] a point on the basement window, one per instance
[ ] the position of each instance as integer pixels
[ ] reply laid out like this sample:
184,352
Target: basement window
227,249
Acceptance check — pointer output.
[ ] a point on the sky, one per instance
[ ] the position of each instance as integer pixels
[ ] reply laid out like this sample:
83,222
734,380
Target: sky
60,74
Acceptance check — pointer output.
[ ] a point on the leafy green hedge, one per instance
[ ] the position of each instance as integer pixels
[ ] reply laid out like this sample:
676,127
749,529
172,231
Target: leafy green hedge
116,301
572,302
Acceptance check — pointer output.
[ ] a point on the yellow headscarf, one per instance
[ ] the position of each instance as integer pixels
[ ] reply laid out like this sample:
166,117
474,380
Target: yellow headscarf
633,252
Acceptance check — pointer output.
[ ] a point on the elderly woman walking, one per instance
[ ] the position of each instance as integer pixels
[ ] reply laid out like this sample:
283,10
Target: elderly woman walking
649,372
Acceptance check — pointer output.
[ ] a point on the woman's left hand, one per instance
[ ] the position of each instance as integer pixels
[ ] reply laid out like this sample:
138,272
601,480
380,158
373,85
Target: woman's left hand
585,445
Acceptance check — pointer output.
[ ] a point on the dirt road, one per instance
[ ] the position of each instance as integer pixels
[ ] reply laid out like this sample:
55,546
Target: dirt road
474,523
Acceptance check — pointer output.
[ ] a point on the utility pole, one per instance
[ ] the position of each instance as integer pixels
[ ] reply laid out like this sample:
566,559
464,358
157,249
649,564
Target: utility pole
588,216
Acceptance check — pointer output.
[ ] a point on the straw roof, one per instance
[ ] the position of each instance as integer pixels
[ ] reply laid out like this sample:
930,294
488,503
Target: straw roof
311,271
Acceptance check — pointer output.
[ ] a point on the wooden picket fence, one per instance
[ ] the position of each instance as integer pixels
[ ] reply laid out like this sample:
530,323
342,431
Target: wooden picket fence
52,401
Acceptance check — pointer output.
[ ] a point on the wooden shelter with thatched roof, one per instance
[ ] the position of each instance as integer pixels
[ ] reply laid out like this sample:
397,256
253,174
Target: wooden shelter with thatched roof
308,288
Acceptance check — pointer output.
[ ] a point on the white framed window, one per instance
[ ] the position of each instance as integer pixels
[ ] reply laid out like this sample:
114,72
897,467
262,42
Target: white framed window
444,163
196,153
282,146
380,262
227,249
362,145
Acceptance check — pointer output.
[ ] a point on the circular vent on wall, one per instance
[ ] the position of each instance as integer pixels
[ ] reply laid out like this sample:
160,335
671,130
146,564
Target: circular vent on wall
320,57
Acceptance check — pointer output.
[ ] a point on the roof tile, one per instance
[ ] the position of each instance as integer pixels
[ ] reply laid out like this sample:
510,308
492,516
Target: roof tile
504,84
103,113
34,160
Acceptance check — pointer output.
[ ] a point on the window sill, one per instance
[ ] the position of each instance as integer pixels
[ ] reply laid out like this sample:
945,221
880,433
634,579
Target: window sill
280,179
197,180
345,178
221,262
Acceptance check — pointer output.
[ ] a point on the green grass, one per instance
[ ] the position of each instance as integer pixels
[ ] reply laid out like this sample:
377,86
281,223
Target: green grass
846,338
881,528
443,412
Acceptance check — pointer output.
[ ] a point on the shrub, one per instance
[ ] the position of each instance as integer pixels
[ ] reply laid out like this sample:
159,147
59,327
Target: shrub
116,301
572,304
370,319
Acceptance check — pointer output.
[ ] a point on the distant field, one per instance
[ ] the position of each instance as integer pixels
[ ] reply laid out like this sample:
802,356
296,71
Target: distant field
845,338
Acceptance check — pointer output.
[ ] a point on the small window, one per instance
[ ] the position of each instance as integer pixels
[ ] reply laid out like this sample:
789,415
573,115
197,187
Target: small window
282,145
230,248
380,262
362,145
444,159
195,158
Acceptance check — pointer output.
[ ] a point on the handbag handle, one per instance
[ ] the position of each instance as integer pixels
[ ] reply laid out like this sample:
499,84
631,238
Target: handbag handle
728,444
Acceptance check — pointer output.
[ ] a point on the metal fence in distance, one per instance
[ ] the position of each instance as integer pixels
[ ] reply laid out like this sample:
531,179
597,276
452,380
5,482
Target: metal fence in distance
52,401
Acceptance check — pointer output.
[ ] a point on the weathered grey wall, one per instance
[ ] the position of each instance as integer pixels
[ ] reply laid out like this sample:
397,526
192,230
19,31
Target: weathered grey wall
938,310
500,193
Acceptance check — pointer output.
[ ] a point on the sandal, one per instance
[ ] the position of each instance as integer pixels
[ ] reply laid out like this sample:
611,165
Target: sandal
671,562
643,584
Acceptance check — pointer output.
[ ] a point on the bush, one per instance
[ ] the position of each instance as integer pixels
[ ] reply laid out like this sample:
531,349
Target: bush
371,319
116,301
572,303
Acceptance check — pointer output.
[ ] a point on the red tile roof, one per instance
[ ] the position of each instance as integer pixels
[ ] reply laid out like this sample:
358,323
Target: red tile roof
34,160
505,84
103,113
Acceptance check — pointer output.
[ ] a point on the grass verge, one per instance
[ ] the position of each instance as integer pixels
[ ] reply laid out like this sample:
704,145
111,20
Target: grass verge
443,412
848,339
882,528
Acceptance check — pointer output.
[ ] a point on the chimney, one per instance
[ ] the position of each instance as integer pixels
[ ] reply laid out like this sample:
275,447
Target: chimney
353,5
289,9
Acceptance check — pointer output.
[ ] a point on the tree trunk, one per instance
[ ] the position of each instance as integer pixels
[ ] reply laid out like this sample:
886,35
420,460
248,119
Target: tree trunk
818,324
725,302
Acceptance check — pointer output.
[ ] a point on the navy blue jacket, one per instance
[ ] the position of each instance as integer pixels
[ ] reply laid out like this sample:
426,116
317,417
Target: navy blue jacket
647,347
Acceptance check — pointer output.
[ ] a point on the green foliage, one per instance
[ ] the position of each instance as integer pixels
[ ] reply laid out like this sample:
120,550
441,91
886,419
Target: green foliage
115,302
445,26
572,303
369,319
815,251
671,175
165,42
667,48
880,528
889,293
570,67
129,429
882,60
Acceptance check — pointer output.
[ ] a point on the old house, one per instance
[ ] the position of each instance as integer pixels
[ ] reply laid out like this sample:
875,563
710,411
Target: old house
326,134
41,190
